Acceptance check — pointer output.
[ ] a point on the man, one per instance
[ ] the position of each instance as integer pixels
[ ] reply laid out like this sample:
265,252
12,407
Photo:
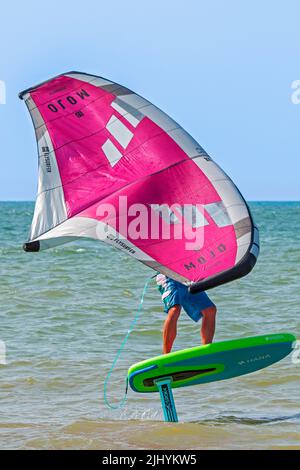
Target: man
175,296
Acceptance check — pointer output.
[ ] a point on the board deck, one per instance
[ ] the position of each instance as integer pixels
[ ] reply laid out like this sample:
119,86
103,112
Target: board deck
217,361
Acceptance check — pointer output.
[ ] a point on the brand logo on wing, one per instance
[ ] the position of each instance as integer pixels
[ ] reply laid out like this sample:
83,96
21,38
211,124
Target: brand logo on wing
64,103
121,127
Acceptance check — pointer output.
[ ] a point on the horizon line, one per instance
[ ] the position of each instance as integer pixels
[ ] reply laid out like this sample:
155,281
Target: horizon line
248,200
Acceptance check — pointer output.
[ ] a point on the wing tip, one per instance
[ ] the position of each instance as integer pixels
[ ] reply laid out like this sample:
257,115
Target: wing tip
34,87
240,270
31,246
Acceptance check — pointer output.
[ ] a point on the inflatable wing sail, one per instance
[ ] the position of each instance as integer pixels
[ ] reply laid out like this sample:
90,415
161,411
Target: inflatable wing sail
114,167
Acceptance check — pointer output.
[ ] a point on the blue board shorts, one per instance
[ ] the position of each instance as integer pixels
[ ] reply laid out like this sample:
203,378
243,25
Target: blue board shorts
175,293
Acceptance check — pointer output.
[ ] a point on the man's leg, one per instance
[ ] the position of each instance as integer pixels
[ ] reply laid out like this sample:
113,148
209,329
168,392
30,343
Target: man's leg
170,328
208,324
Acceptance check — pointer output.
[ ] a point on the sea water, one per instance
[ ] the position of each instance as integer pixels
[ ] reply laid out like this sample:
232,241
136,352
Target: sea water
64,314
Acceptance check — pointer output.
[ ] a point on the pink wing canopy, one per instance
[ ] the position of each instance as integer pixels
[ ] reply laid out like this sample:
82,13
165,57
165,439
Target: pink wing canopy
102,146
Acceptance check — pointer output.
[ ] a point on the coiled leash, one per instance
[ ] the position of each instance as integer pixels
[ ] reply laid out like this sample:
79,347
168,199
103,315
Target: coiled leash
131,328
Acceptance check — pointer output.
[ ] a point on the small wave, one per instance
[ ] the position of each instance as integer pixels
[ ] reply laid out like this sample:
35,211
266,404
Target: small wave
228,419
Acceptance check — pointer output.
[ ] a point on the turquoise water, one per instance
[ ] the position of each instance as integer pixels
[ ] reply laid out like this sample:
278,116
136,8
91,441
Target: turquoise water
64,313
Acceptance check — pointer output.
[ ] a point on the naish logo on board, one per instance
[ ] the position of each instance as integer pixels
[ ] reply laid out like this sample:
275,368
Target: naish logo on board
72,100
254,359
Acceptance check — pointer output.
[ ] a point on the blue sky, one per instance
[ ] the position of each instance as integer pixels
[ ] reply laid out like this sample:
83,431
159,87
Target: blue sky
222,69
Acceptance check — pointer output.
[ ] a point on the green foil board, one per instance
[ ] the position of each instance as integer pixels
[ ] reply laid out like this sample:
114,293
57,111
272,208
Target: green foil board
217,361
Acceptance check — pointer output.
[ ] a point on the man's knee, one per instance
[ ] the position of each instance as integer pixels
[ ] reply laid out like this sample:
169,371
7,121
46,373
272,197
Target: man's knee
174,311
209,311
